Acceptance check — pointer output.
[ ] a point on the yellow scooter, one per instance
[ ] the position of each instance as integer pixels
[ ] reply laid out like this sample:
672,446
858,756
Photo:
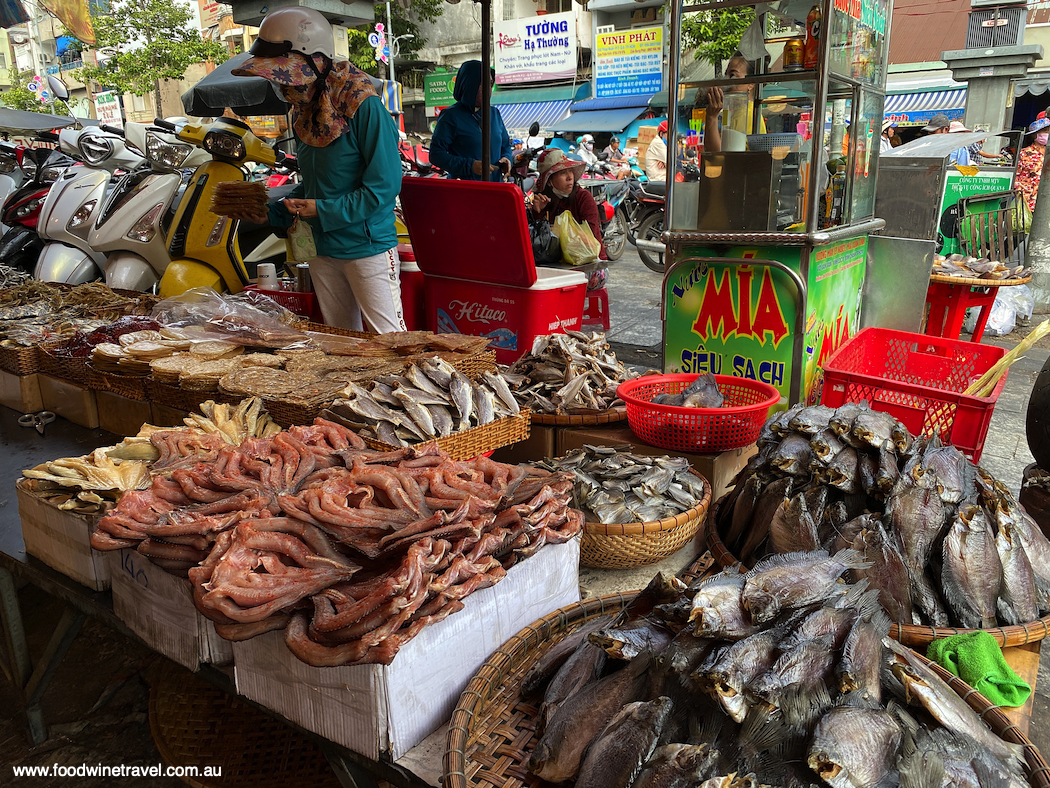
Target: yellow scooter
202,245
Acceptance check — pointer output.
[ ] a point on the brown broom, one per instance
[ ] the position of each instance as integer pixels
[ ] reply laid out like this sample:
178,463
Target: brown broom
985,385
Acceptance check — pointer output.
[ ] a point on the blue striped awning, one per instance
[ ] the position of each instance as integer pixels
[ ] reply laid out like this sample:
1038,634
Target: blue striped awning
917,109
391,96
613,102
518,117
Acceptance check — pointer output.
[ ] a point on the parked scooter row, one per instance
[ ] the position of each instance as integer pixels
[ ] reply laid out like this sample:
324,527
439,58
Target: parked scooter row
123,205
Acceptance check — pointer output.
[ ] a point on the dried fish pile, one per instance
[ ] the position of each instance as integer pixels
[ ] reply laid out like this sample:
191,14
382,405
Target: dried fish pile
37,312
950,545
429,399
12,277
701,393
782,676
350,551
571,373
614,486
965,267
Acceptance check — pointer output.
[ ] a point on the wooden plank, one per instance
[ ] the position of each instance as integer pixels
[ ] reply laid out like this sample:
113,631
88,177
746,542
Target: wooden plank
1025,663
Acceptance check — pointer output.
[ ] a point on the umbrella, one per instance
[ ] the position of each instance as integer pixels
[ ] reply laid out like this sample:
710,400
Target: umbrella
220,90
18,121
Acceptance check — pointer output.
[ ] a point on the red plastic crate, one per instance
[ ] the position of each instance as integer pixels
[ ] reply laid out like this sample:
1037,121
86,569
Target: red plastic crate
918,379
304,304
697,430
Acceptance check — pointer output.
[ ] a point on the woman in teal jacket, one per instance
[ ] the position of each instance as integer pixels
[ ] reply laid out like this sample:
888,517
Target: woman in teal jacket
350,167
456,144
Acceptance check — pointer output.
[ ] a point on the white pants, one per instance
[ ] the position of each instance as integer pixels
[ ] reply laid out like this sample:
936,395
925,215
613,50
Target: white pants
369,288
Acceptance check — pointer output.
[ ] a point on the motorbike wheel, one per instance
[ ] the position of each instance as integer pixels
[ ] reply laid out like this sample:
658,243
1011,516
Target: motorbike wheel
651,228
615,236
24,260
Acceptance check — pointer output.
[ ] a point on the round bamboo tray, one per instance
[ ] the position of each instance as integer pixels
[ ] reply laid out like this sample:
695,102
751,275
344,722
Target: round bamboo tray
976,282
493,730
610,416
630,545
911,635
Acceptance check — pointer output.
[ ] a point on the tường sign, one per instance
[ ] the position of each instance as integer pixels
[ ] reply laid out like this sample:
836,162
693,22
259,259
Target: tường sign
628,62
535,48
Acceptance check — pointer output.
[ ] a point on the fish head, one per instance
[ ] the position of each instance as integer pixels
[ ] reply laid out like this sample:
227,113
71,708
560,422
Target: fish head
823,763
762,605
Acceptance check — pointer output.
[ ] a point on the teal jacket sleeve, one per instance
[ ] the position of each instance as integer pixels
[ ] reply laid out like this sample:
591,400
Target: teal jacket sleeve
381,180
279,215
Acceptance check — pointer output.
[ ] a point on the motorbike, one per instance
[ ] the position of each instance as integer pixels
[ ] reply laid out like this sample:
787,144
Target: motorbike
20,246
205,249
609,196
75,202
11,175
130,228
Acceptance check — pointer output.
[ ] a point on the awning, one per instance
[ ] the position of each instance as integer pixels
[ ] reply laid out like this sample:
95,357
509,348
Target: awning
1033,87
612,102
599,120
576,92
518,117
391,95
917,109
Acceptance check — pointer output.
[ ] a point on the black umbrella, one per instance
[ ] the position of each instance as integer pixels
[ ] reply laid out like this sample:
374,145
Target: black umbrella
220,90
18,121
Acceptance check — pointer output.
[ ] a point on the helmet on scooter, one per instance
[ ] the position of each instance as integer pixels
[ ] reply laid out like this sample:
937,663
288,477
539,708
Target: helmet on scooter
295,29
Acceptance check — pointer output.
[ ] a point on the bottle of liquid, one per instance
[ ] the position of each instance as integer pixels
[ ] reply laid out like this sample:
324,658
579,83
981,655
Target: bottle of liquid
813,34
838,194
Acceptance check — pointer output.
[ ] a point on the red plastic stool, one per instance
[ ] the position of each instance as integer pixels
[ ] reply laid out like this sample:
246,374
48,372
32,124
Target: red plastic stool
596,308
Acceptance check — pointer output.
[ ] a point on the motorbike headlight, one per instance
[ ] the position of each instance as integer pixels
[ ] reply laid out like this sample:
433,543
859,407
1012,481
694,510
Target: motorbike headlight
168,154
83,213
8,164
53,172
28,167
94,148
225,145
24,210
145,228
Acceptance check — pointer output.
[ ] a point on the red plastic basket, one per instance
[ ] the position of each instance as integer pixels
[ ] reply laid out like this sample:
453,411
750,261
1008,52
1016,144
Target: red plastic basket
697,430
918,379
304,304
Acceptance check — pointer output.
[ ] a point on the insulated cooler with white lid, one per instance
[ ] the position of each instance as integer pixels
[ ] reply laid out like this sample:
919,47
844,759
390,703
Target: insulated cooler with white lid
471,241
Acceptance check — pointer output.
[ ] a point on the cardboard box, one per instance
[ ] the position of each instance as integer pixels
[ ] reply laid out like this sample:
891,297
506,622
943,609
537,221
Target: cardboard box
70,401
21,392
719,469
121,415
388,709
540,444
62,540
510,316
163,416
158,607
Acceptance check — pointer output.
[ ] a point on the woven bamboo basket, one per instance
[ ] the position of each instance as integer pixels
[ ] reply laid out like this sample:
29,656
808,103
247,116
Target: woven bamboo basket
977,282
610,416
493,730
76,370
20,360
630,545
130,386
185,399
470,443
912,635
288,413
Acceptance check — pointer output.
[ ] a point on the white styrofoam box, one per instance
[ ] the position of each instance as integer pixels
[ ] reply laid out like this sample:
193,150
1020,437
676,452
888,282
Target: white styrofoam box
388,709
158,607
61,539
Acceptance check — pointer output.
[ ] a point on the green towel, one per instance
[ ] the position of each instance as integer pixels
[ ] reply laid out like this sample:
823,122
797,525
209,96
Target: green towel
976,658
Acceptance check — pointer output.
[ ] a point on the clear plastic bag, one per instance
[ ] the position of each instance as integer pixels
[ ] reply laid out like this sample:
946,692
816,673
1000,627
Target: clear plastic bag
578,244
246,318
301,246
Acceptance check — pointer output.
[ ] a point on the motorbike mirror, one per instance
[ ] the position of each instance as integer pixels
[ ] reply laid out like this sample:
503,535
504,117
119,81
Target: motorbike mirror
58,88
534,129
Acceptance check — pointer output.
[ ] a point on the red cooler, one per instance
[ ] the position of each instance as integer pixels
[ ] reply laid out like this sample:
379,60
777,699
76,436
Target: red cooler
471,241
411,289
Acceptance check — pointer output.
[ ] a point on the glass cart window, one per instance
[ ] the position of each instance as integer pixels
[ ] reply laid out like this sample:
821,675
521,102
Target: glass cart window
857,38
869,121
832,181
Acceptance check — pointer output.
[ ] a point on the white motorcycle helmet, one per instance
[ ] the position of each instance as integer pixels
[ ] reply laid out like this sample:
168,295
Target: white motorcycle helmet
295,29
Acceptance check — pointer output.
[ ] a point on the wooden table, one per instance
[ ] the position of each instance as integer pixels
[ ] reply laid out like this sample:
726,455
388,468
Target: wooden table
950,296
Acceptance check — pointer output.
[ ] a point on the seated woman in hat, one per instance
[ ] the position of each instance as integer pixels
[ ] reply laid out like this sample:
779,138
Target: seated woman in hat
557,190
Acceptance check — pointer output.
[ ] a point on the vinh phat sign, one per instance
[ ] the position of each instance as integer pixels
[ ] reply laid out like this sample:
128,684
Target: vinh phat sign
535,48
629,62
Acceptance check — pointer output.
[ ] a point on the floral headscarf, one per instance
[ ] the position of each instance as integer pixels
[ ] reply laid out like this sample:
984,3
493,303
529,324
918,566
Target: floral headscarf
319,117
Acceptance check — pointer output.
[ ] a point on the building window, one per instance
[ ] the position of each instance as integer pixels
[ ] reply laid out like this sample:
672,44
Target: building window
138,103
558,6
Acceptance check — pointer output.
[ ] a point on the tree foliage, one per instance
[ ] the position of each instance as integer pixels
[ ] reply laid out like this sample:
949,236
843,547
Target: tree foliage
19,96
715,35
145,41
405,22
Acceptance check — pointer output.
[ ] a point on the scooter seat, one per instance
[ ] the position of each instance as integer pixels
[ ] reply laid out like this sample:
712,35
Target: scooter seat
656,188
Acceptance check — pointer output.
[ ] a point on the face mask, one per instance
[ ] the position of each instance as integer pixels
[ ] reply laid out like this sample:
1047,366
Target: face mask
588,145
560,193
1042,137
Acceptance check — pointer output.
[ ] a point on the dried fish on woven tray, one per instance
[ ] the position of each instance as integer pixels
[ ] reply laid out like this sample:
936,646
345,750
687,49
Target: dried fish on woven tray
570,373
949,543
92,483
782,677
614,486
428,400
13,277
273,532
969,267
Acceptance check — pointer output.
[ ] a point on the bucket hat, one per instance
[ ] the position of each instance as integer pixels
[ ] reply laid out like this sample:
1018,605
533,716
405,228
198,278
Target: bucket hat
554,160
1038,125
956,126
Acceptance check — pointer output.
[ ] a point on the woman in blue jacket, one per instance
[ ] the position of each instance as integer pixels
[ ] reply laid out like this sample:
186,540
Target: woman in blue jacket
350,167
456,144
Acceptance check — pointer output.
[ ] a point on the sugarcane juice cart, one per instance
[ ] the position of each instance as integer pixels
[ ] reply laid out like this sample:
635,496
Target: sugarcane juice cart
766,254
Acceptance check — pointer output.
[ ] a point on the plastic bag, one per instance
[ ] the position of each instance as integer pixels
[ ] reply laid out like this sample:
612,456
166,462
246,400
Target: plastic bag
546,249
578,244
1021,219
247,318
301,246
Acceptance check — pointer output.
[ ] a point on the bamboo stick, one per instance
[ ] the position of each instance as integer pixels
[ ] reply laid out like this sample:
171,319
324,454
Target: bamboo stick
985,384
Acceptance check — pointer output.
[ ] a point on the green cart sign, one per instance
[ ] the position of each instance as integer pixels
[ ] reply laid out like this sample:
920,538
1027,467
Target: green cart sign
958,186
437,89
739,319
